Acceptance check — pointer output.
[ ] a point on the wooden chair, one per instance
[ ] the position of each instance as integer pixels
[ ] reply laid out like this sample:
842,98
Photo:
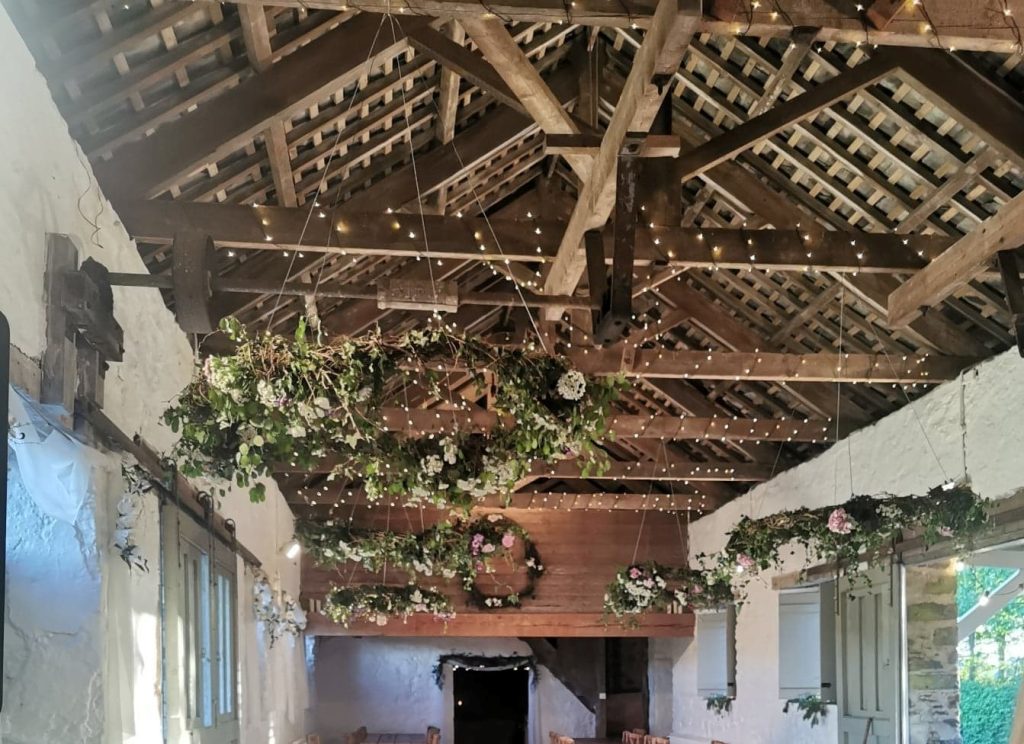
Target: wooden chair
313,739
433,735
357,737
633,737
559,739
655,740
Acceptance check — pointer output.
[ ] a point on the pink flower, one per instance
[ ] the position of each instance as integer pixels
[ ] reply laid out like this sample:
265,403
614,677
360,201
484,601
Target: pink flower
945,531
840,522
697,589
480,566
478,538
508,540
634,573
745,561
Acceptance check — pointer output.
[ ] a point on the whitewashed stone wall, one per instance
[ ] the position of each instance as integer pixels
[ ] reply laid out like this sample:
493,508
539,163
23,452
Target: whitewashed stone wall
387,685
82,645
975,424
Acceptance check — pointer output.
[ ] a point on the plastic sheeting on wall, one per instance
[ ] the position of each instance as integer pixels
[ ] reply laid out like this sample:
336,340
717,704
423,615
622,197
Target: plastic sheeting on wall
56,469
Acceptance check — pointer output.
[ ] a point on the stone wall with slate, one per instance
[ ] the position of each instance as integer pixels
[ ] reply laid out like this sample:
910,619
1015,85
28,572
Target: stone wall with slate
934,697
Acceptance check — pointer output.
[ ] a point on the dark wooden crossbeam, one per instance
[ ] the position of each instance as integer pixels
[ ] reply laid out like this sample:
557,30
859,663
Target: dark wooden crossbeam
280,229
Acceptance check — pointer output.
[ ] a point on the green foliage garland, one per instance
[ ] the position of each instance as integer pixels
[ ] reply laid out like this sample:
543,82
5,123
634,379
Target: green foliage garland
462,550
378,604
720,705
862,526
812,707
652,587
478,663
298,401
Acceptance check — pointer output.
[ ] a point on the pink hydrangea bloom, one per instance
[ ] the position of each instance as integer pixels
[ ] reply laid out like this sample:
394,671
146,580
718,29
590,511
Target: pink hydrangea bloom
634,573
840,522
508,540
745,560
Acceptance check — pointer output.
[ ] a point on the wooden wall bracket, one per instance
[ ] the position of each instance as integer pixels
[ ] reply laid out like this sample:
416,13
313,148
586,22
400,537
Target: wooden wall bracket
1009,267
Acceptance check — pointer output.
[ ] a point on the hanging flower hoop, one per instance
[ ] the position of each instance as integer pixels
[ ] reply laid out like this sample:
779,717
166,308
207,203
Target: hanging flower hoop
379,604
278,619
653,587
294,400
467,551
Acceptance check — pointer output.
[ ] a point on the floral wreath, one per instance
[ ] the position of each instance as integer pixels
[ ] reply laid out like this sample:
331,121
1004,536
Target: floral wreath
463,550
379,603
294,400
286,618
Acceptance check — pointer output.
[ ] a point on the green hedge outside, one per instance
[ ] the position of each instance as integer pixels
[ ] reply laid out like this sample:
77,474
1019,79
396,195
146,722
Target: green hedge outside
986,710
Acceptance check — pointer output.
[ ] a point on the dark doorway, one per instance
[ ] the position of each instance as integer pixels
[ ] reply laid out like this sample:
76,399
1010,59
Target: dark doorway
491,707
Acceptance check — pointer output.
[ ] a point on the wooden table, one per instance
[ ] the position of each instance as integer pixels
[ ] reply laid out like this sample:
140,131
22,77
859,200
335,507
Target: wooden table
395,739
597,741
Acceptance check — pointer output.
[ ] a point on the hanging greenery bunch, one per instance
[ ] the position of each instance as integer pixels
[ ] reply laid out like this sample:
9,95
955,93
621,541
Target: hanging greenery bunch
862,526
720,705
449,550
129,509
299,401
812,707
378,604
477,663
652,587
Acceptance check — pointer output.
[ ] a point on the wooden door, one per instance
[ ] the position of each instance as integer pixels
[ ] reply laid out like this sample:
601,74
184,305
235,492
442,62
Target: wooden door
869,655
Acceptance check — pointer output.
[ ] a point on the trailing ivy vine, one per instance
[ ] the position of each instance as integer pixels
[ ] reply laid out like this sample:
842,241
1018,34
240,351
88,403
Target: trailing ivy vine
303,402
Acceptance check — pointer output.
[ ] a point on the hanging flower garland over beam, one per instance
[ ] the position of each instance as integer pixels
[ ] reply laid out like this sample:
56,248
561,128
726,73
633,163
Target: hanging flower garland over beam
378,604
465,550
653,587
297,401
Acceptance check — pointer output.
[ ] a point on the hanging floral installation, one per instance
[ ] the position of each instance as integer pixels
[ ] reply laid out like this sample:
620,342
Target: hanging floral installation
652,587
278,400
278,619
129,509
379,604
859,531
477,663
466,550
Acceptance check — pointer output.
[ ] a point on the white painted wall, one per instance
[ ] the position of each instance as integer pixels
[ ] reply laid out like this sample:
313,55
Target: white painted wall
82,649
387,685
975,424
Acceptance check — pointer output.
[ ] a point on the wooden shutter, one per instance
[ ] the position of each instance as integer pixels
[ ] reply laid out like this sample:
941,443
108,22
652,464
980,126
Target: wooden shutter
716,652
807,662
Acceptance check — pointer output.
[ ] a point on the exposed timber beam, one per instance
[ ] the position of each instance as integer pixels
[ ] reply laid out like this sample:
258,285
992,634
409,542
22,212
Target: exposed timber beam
448,92
959,264
360,233
460,60
958,21
313,501
673,25
773,367
669,468
527,86
744,136
955,88
882,12
150,166
660,426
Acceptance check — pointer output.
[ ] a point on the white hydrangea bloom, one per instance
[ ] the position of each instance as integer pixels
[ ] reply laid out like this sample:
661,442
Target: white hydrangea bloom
572,385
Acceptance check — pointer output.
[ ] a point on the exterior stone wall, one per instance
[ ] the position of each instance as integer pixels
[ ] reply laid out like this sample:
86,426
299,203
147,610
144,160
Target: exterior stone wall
934,696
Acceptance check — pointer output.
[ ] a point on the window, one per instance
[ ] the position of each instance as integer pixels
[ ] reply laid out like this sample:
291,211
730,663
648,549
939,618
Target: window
716,652
200,630
807,631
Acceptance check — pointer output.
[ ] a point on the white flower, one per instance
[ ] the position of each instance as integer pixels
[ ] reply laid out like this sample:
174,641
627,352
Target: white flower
492,518
265,391
295,431
432,465
364,394
572,385
382,620
451,453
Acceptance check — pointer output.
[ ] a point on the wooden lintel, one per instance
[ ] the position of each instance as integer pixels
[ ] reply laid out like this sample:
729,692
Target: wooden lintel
650,146
517,624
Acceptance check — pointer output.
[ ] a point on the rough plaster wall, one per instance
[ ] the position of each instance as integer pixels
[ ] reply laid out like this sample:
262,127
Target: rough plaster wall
387,685
890,456
47,186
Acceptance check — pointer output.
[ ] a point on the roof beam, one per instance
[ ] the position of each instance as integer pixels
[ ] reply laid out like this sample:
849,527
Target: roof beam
838,22
959,264
448,93
806,105
659,426
669,468
528,88
673,25
360,233
152,165
464,63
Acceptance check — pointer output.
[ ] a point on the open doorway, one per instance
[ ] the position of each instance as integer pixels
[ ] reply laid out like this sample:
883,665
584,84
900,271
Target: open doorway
491,706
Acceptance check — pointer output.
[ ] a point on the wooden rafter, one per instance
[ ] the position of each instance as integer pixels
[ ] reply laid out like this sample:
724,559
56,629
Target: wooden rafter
960,22
672,27
448,92
959,264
